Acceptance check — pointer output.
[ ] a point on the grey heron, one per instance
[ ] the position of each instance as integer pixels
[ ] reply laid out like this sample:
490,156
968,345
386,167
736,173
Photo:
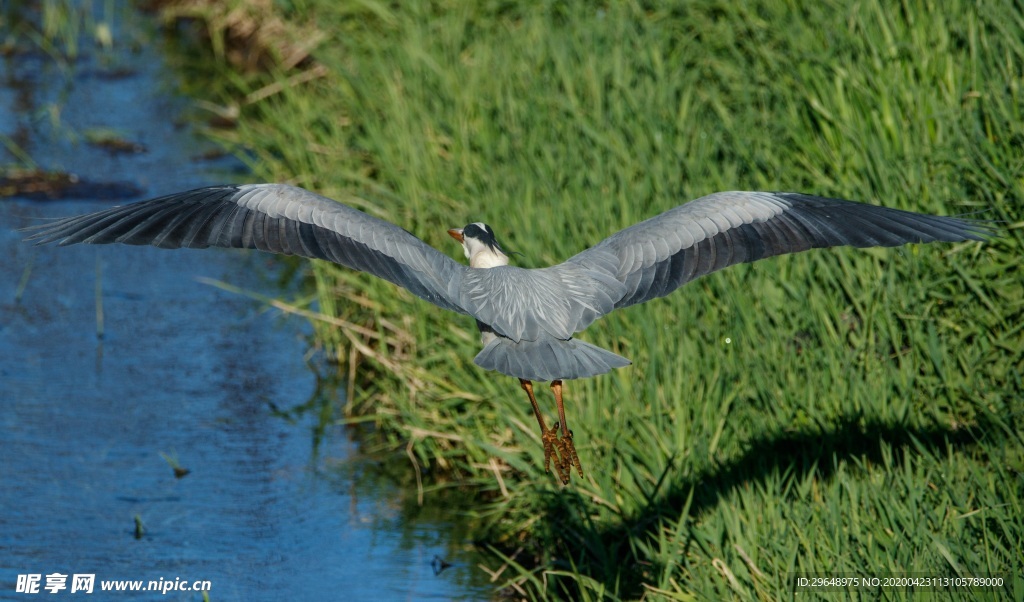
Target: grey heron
527,317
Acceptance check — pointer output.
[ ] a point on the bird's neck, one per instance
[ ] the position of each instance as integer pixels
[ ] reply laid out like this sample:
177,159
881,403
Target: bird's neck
488,258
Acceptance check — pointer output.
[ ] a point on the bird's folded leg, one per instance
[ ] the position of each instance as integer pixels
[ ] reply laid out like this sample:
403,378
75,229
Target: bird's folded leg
566,448
547,436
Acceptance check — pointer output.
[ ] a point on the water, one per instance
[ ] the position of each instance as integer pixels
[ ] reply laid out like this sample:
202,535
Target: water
277,504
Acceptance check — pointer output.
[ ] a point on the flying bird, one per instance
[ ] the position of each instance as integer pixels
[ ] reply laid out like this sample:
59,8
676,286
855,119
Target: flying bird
527,317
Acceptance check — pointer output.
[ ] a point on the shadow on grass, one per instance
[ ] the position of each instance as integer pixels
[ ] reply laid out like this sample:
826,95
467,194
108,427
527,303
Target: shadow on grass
608,555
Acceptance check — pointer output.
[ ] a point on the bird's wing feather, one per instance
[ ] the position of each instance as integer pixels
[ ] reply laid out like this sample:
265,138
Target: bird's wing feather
654,257
276,218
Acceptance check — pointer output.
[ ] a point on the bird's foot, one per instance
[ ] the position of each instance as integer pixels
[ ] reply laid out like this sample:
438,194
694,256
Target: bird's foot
549,437
566,457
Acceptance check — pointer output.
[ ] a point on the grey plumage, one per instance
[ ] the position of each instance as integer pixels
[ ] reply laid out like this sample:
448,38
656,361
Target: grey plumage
270,217
547,358
659,255
530,315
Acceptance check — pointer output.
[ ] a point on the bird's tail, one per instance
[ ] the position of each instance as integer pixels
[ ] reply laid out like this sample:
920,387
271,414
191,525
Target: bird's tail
547,359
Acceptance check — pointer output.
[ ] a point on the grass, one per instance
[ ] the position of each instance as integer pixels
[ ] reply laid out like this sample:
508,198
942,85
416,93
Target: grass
843,411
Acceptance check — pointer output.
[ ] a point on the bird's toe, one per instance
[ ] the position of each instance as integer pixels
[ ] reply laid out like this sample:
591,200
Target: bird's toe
549,437
567,451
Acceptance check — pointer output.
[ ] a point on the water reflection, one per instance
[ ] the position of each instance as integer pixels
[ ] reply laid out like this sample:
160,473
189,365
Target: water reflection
113,360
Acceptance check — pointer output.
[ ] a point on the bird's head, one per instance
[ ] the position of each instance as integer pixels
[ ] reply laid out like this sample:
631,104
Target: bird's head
478,242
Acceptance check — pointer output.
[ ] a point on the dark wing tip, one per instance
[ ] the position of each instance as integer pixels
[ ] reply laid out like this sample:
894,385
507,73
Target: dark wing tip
46,232
862,224
115,223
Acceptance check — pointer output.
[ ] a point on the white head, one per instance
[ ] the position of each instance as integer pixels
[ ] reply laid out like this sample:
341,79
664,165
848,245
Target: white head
478,242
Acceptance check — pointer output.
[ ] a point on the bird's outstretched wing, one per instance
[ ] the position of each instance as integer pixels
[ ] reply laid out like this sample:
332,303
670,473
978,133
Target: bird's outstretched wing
271,217
657,256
